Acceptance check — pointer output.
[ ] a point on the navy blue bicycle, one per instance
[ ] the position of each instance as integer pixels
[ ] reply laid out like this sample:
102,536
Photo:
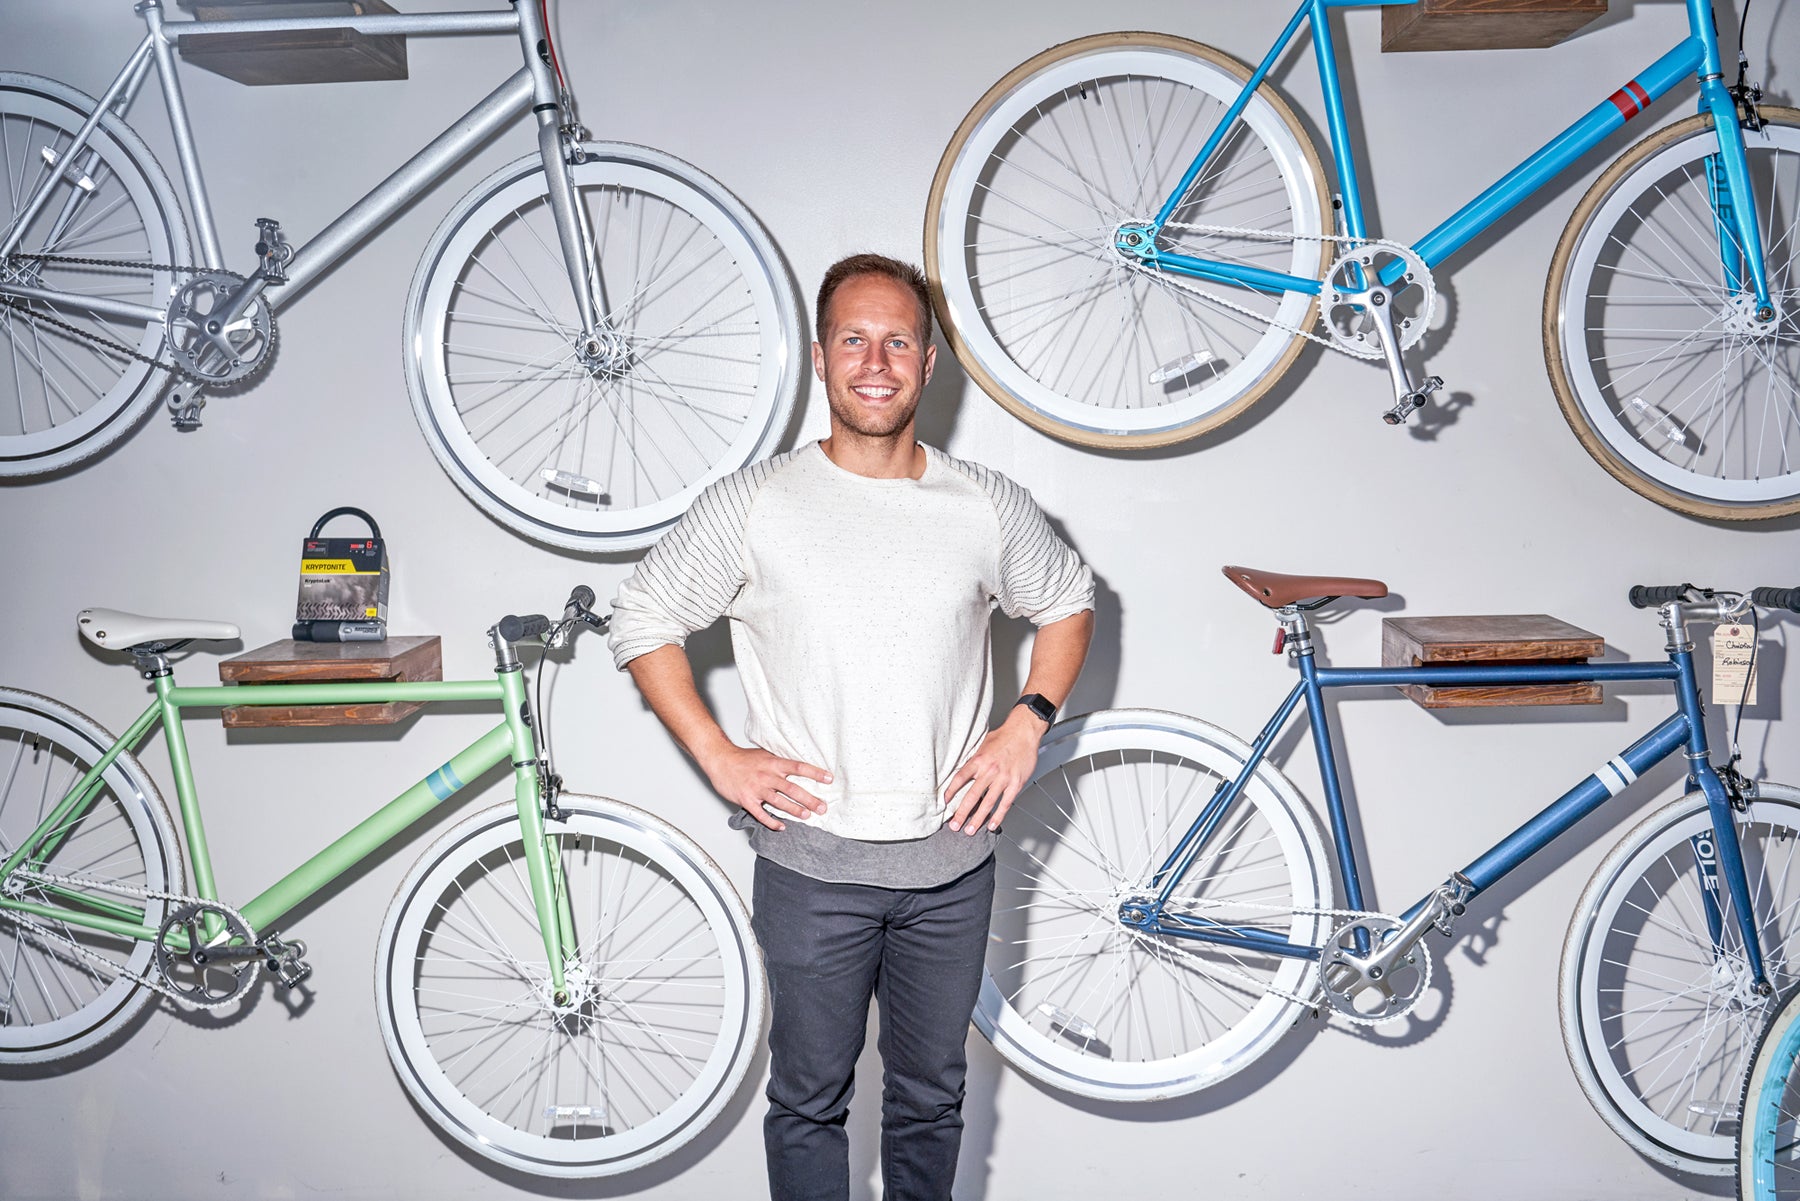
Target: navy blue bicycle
1167,907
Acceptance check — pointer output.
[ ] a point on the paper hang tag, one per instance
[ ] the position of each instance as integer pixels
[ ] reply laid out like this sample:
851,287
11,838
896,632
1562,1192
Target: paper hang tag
1734,652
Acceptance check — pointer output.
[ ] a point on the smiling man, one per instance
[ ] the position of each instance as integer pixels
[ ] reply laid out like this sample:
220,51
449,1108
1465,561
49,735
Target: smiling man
859,574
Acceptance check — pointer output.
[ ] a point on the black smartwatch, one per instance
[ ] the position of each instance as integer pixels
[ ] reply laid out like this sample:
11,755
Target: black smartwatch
1040,705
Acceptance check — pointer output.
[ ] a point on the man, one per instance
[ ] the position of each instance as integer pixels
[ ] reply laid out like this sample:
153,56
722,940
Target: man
858,574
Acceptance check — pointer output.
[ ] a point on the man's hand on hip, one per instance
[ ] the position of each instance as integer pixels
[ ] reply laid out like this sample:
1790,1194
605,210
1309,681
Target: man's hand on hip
755,781
996,772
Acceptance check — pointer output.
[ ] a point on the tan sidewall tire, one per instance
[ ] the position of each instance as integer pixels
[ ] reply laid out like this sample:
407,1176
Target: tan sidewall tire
1554,285
939,183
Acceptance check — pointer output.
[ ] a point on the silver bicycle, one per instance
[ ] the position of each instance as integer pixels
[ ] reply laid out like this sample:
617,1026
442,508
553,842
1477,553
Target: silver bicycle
594,334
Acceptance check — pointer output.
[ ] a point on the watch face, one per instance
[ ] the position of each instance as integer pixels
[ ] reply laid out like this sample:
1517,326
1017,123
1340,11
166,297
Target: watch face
1040,705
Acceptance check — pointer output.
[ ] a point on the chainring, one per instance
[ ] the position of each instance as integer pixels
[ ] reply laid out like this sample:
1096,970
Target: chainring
211,350
192,976
1359,990
1343,305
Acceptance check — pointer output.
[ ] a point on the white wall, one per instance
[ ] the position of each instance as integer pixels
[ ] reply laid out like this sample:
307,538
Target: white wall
828,121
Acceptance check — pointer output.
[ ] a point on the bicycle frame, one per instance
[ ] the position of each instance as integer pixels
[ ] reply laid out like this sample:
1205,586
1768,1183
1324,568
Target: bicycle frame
509,742
1697,54
1683,730
533,85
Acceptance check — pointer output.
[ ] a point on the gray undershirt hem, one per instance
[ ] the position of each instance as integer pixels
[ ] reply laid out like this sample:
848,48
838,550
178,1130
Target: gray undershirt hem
928,862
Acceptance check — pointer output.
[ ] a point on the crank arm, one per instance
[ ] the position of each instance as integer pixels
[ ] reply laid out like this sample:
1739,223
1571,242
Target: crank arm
1408,397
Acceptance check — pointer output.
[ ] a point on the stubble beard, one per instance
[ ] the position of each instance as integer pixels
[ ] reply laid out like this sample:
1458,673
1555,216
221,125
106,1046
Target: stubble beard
891,426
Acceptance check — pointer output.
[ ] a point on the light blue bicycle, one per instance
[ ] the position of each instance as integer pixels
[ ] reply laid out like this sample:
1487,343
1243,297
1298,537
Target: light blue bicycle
1131,237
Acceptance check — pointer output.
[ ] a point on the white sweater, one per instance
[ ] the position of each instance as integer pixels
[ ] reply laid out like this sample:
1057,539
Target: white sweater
859,614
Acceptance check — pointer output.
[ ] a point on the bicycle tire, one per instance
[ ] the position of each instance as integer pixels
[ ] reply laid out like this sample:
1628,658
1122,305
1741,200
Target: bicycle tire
704,349
55,1002
1029,147
1069,994
1638,962
1766,1167
634,1075
1703,422
82,399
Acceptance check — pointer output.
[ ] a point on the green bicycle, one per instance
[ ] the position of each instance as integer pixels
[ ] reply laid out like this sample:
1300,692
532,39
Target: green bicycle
566,984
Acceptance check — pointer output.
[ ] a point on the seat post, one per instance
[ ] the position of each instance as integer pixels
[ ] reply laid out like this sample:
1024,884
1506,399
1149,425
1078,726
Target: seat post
1297,634
152,664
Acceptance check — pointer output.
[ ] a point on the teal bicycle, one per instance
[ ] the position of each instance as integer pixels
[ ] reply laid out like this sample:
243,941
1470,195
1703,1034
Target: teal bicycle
1131,238
566,985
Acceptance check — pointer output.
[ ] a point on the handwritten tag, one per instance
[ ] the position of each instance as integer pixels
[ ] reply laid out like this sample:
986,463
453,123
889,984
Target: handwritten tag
1734,652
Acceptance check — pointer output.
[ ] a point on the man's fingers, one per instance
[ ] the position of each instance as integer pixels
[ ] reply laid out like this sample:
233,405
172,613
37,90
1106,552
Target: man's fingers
793,767
799,795
1005,806
763,816
963,775
966,813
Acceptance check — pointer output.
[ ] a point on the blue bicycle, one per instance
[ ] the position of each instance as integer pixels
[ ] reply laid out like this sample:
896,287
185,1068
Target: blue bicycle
1131,237
1166,908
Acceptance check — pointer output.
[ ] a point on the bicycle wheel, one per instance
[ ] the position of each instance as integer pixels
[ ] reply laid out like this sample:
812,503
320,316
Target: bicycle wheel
1083,1003
666,984
1658,1024
62,987
1054,324
695,378
1656,358
62,396
1767,1167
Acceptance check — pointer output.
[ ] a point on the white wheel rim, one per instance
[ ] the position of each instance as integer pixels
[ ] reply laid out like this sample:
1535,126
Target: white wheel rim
1705,411
1061,1060
68,1033
1141,411
1682,964
95,235
676,462
704,1087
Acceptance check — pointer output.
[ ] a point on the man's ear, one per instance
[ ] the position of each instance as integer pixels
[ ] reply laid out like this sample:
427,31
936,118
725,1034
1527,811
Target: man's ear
819,361
930,361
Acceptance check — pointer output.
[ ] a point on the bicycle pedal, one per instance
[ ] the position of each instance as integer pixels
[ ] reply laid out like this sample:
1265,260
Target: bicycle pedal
289,973
184,415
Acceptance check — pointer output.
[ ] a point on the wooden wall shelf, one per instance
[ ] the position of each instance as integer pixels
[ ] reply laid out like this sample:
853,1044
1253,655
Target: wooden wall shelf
1484,24
1462,641
419,657
322,56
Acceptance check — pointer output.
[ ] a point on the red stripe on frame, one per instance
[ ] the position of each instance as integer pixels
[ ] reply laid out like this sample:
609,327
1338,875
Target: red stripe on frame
1628,107
1639,94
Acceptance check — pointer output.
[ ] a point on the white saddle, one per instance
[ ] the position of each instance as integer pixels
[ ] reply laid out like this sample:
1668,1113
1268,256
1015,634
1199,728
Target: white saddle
116,630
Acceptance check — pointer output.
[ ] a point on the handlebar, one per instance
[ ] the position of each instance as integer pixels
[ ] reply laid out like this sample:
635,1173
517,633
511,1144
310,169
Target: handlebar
1777,598
1708,603
512,628
1650,596
577,611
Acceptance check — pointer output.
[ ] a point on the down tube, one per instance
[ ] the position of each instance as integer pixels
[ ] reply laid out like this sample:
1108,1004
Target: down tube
1604,783
376,829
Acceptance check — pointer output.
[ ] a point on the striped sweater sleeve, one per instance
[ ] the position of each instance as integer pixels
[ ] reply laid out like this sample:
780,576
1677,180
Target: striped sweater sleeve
691,576
1041,577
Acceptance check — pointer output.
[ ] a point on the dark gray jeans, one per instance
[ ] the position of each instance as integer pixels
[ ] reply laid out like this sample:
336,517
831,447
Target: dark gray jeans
828,948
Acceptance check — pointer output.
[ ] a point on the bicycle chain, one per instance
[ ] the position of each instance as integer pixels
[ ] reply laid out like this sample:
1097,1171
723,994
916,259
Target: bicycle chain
1267,236
119,347
127,890
1315,1000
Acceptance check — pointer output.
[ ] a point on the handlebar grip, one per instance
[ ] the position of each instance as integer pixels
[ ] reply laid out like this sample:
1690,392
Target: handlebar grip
1649,596
583,596
518,629
1777,598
